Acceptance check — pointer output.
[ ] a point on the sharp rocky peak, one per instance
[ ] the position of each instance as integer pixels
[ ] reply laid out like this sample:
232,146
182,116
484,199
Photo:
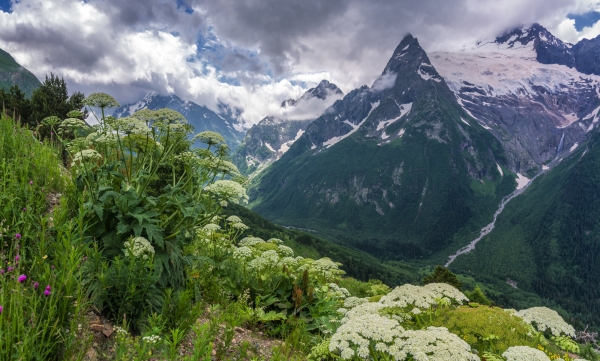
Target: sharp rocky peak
321,91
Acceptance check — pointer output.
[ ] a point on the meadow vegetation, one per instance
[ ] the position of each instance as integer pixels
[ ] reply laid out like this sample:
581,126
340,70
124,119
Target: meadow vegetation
124,220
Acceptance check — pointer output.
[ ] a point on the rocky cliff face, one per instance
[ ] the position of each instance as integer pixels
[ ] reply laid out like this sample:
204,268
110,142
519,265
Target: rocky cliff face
199,116
525,88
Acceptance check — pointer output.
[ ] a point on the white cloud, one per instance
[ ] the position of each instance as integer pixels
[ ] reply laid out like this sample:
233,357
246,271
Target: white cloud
385,81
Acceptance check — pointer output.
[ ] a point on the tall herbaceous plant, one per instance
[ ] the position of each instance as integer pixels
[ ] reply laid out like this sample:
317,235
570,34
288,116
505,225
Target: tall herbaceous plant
144,191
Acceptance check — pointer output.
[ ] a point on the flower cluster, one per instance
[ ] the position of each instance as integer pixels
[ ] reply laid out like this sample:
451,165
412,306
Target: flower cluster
139,247
351,302
423,297
340,292
86,155
431,344
543,318
360,333
524,353
228,190
151,339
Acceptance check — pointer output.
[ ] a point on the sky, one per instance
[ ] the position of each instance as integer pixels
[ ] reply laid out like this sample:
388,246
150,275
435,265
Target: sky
253,54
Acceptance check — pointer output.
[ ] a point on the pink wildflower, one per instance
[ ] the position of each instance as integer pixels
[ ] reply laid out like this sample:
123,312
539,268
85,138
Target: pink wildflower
22,278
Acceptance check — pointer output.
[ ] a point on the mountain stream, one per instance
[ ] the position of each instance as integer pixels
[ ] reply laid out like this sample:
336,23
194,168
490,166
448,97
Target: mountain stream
487,229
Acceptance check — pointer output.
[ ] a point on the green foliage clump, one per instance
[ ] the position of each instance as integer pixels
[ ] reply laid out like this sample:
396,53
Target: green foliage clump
486,328
478,296
443,275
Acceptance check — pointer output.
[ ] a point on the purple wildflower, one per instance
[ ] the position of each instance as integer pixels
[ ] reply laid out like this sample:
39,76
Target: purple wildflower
36,285
30,183
10,269
48,290
18,236
22,278
17,258
24,209
1,310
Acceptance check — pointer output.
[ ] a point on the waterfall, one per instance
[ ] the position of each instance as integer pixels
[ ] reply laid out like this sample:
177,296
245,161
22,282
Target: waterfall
560,144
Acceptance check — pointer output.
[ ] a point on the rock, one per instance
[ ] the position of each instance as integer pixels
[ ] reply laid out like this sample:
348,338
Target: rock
91,355
107,330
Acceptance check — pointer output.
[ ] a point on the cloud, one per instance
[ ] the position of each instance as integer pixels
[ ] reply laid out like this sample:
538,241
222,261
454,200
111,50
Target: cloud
251,54
385,81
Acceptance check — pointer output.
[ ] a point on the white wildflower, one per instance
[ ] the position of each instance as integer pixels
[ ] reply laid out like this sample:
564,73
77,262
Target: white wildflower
250,241
351,302
524,353
357,335
288,262
543,318
275,241
342,310
285,250
151,339
234,219
87,155
265,261
242,253
432,344
369,308
228,190
240,226
139,246
443,290
325,267
416,311
211,228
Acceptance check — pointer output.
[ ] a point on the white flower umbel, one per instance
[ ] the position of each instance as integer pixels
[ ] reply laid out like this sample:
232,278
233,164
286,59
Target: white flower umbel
326,268
543,318
422,297
87,155
228,190
250,241
524,353
356,336
285,251
234,219
369,308
351,302
139,247
432,344
442,290
265,261
341,292
242,253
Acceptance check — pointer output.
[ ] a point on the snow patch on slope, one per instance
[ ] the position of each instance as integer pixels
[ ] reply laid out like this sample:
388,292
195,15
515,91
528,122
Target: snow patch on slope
337,139
521,181
500,170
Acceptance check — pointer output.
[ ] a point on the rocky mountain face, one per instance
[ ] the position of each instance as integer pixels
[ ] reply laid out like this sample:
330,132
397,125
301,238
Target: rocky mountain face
12,73
268,140
396,169
199,116
324,90
527,89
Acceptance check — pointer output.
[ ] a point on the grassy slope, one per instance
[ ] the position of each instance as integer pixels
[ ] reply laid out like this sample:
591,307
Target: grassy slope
357,264
548,239
12,73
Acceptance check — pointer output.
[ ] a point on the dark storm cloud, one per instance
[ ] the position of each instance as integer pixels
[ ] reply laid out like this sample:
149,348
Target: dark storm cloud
331,32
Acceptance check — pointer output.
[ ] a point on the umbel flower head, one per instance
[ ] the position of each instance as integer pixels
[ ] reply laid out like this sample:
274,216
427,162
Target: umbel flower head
139,247
543,319
100,100
524,353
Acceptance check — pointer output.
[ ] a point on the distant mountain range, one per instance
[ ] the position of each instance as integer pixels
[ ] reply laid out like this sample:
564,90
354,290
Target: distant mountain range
11,73
199,116
269,139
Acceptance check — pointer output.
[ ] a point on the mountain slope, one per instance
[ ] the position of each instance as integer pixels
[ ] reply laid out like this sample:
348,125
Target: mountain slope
199,116
11,73
521,88
548,239
396,169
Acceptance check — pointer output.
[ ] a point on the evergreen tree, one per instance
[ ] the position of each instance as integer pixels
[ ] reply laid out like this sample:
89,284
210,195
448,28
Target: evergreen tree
478,296
52,99
443,275
15,104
